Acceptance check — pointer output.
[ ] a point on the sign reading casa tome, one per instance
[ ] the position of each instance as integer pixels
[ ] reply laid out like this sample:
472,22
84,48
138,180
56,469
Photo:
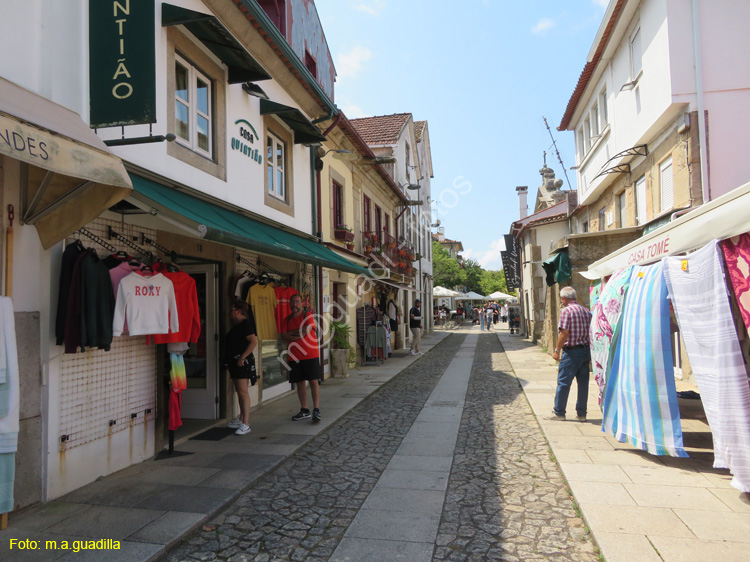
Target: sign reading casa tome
122,55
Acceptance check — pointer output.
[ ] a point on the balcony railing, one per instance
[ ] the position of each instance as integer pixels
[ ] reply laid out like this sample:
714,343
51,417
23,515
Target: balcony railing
389,253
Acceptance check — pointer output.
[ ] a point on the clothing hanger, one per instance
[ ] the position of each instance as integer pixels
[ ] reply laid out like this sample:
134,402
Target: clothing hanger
172,268
121,255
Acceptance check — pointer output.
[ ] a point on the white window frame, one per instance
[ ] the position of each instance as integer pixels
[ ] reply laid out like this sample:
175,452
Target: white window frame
587,133
275,190
193,112
603,113
666,185
581,145
595,121
640,199
636,54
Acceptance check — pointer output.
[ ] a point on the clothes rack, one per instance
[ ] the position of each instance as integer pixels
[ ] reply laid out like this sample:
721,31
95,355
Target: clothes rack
240,259
103,243
112,233
167,252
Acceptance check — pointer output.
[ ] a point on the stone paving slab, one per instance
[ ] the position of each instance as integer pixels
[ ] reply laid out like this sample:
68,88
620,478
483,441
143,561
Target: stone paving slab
638,506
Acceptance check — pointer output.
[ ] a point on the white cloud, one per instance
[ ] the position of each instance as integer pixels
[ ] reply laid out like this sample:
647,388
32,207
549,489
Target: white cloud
353,111
372,7
489,259
543,25
349,64
601,3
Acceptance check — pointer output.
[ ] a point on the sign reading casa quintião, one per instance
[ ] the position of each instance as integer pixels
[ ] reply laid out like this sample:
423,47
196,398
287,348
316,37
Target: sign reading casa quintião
247,136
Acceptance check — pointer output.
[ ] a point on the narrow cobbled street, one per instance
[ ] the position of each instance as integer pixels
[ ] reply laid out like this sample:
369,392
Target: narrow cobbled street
394,480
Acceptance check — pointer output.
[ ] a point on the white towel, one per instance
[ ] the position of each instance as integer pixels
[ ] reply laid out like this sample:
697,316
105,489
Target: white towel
9,391
699,295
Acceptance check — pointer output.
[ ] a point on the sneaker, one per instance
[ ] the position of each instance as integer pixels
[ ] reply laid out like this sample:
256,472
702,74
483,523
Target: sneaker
243,429
581,418
420,352
555,417
316,415
234,424
413,352
303,414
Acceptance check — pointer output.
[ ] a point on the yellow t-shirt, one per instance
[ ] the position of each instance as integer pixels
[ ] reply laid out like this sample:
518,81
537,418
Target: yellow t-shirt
262,298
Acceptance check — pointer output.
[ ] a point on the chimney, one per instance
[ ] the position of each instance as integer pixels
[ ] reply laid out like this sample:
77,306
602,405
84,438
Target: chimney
523,208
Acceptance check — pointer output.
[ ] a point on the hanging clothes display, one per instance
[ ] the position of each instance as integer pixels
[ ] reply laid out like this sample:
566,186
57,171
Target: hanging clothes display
70,257
393,315
737,255
365,318
97,303
605,316
9,403
177,374
595,291
283,294
640,400
175,410
188,312
262,298
148,303
698,291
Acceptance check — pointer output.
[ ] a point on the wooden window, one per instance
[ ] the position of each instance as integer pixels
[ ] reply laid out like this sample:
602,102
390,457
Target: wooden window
276,11
193,115
387,223
310,64
366,224
379,224
276,166
338,204
602,216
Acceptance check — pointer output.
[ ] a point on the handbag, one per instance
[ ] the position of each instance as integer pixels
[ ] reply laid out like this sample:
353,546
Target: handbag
248,369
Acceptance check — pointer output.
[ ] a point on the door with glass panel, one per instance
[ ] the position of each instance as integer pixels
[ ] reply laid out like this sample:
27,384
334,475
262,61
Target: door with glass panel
201,399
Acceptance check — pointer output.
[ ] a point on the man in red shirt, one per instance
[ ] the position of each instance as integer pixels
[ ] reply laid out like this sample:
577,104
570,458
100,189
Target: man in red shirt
298,329
573,344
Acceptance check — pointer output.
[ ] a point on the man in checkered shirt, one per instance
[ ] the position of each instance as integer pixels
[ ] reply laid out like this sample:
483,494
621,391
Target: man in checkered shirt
573,344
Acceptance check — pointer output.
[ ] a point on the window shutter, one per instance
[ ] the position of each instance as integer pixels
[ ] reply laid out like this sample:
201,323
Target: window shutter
666,182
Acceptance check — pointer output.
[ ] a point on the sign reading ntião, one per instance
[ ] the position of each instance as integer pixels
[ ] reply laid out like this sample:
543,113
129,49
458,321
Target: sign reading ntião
122,55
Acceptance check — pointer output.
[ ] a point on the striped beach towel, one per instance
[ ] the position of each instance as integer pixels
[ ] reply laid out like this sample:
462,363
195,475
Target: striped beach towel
640,401
698,290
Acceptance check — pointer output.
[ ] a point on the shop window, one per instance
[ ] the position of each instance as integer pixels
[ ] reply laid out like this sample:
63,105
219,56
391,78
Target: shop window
666,184
338,204
276,12
196,88
640,200
193,118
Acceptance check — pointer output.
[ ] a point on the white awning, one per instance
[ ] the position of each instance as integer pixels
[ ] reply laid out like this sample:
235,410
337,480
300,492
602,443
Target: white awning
71,177
721,218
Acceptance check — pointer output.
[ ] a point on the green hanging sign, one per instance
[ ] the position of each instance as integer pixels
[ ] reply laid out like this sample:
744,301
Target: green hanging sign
122,54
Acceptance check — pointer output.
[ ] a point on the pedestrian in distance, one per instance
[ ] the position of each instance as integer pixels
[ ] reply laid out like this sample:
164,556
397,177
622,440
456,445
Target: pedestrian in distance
298,330
241,341
481,319
573,353
415,325
488,317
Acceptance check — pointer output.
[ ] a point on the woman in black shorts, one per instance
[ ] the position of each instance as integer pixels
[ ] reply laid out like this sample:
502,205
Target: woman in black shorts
241,340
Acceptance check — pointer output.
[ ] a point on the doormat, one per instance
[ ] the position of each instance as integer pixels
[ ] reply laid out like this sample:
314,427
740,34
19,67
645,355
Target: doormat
214,434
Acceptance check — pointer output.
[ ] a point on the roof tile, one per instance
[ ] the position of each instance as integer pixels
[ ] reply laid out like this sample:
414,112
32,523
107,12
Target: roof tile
382,129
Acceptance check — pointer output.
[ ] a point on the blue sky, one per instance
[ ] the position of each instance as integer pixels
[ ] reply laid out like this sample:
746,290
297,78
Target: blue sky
482,73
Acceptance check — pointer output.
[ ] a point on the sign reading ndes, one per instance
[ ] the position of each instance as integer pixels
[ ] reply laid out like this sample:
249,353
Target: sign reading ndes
511,262
122,54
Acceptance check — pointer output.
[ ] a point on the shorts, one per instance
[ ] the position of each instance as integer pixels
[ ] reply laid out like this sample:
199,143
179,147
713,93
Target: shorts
304,370
246,372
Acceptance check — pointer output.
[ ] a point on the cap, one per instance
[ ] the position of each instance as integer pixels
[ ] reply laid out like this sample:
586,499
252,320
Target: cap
416,301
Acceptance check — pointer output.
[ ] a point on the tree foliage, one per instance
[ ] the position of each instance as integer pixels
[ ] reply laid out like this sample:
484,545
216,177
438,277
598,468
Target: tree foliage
446,270
493,281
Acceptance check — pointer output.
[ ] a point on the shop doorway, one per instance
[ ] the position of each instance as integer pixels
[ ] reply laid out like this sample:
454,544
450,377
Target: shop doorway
201,399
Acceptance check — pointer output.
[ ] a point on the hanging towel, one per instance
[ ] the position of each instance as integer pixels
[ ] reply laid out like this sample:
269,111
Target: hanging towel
737,255
9,390
177,374
640,399
698,291
604,323
175,410
557,268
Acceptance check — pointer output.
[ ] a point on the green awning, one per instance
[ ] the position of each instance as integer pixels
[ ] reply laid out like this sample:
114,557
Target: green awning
217,38
219,224
304,131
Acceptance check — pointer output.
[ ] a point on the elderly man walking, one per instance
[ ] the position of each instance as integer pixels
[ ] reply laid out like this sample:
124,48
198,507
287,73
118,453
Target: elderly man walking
573,353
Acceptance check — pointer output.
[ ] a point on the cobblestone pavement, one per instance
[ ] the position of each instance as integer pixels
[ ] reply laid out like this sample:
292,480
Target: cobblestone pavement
301,510
506,499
